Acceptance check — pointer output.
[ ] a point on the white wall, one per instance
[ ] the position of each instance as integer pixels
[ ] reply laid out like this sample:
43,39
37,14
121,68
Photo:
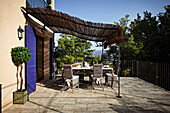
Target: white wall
10,19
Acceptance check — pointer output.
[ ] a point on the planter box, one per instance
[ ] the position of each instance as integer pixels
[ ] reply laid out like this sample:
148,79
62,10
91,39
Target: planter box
20,97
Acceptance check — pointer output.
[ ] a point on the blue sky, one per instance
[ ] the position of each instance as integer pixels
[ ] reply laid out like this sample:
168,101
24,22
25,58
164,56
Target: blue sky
109,11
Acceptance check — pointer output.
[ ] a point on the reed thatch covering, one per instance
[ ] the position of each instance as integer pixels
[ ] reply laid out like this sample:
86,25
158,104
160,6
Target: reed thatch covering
60,22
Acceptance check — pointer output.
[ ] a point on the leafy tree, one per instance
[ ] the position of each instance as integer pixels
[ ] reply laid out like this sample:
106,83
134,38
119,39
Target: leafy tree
19,56
145,31
154,34
164,35
123,22
96,59
48,5
130,49
148,38
72,49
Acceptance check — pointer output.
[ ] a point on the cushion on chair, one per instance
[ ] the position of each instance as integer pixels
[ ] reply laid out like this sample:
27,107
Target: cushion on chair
110,76
99,80
115,77
59,75
75,77
75,80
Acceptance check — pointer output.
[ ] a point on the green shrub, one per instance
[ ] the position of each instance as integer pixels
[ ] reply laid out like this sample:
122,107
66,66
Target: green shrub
126,72
20,55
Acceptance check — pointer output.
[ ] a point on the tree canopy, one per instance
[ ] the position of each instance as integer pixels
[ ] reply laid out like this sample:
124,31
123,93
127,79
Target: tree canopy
154,33
149,38
72,49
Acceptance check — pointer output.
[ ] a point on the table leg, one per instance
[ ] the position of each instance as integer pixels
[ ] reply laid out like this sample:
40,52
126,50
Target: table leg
81,78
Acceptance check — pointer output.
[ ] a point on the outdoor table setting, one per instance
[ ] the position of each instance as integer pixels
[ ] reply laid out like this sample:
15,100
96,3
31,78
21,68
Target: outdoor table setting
84,71
88,70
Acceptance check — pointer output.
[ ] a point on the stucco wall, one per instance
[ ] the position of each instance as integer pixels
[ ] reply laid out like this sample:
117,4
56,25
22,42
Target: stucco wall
10,19
52,4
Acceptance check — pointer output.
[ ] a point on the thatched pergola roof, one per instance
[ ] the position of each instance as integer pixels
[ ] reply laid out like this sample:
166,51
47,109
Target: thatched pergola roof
60,22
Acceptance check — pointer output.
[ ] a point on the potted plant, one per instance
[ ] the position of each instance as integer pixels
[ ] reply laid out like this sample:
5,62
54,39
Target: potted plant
19,56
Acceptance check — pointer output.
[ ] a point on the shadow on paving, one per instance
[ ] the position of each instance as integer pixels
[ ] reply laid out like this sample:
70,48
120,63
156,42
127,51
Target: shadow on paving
133,109
58,84
46,108
138,96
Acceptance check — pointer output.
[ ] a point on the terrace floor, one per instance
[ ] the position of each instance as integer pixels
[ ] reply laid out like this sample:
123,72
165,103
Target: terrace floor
137,96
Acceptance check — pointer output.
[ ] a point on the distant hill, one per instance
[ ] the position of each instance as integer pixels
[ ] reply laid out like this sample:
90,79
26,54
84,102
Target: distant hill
97,52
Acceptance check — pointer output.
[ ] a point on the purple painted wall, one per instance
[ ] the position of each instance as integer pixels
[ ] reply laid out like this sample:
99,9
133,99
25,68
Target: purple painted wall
30,76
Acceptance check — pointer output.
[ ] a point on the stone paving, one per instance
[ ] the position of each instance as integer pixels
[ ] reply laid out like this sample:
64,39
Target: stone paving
137,96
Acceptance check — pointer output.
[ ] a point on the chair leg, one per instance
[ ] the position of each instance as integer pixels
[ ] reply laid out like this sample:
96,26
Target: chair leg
72,85
78,85
101,84
63,87
92,82
112,81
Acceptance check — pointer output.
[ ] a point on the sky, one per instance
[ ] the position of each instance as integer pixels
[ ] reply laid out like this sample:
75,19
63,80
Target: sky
109,11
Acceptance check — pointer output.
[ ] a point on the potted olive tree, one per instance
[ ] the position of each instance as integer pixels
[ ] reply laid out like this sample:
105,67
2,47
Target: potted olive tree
19,56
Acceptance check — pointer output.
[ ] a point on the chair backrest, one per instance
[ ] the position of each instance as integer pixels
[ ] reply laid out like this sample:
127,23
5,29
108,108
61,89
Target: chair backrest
97,70
68,73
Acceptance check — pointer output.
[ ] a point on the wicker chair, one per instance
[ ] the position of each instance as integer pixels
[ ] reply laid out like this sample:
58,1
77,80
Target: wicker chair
70,79
97,76
112,77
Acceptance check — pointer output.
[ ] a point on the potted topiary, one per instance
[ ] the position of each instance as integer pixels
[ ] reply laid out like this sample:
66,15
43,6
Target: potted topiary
19,56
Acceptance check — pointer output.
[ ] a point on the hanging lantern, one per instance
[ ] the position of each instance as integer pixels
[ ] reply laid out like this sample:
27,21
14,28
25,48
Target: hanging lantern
20,33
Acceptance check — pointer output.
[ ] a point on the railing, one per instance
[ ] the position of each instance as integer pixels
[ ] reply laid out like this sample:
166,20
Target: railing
128,68
36,3
156,73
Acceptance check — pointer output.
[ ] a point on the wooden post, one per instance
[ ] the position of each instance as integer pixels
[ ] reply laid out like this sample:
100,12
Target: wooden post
46,59
102,53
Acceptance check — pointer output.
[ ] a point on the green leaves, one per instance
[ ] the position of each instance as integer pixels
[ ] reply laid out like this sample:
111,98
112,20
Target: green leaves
148,38
69,59
152,32
48,6
79,59
48,1
130,49
20,55
72,49
123,22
